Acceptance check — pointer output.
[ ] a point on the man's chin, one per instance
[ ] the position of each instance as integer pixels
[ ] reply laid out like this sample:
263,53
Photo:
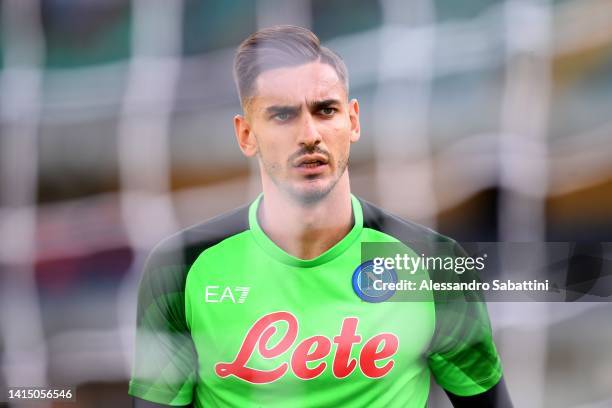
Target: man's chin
312,193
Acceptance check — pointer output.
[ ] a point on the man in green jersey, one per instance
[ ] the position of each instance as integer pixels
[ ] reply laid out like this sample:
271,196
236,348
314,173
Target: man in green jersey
256,307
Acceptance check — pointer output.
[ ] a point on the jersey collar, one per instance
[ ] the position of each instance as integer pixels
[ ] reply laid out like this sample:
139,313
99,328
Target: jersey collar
280,255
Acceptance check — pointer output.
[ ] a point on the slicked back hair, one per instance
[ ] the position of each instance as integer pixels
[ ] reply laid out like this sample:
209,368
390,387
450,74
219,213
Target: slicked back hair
277,47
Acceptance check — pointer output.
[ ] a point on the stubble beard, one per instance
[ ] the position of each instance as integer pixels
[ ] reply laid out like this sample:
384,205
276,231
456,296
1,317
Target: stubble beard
305,196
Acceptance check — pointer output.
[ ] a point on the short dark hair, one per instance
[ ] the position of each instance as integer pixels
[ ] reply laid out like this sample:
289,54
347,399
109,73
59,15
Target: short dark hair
276,47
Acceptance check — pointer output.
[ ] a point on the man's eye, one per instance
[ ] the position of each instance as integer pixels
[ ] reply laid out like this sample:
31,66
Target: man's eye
282,116
328,111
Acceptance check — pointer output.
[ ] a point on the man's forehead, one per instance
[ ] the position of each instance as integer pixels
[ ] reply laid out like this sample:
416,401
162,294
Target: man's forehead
295,85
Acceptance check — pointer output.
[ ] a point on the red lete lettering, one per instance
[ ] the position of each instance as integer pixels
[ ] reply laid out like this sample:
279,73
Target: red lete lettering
311,349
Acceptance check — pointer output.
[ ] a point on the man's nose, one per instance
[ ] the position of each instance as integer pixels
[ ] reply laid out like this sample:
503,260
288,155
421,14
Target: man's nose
309,134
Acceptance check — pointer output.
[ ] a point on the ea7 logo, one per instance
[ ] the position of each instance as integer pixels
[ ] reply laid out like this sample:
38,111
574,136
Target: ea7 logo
218,294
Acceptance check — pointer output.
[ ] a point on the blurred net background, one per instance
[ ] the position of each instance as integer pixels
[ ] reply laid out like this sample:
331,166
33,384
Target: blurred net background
487,120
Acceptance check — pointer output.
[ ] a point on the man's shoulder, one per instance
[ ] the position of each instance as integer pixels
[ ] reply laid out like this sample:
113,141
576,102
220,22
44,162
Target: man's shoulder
401,229
189,243
166,268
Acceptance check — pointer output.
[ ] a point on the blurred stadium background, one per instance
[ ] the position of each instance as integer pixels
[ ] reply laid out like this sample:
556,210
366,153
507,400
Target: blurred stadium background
487,120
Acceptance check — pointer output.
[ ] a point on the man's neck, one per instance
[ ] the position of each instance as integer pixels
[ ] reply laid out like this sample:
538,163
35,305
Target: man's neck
306,231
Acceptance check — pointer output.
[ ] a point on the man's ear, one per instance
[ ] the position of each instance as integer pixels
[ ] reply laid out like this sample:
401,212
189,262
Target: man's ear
354,118
244,136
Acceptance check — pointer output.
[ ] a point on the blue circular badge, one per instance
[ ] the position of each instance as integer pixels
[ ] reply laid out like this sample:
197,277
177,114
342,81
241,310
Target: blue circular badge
368,285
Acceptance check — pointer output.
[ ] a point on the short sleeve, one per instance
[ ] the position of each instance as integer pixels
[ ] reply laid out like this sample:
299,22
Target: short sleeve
463,358
165,360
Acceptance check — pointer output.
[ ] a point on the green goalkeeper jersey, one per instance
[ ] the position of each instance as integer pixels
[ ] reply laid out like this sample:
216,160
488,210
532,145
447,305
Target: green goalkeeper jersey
227,318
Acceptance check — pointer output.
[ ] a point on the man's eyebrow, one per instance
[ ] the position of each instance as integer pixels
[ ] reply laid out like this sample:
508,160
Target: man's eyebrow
325,103
275,109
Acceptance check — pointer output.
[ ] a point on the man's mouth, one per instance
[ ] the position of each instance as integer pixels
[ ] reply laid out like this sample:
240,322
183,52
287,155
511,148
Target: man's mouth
311,161
311,165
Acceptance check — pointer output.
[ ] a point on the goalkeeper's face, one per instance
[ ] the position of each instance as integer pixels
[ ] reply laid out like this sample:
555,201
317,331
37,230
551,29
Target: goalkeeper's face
300,124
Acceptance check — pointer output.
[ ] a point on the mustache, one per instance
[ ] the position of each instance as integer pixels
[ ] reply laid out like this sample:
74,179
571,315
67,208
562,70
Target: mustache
308,150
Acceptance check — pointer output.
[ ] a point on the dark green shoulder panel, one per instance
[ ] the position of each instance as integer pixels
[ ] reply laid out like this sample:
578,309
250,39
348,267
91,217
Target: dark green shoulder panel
165,359
166,268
